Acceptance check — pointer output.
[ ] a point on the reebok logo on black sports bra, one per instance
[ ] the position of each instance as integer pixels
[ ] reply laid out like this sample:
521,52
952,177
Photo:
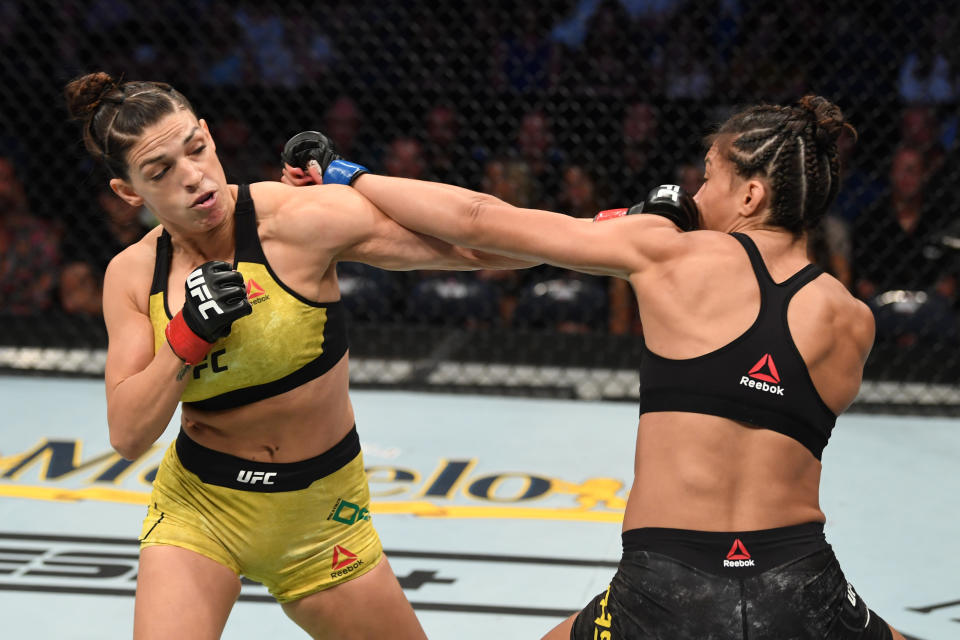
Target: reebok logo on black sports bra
762,373
779,396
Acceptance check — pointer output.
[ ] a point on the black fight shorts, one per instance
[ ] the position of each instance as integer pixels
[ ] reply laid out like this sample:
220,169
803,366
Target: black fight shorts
776,584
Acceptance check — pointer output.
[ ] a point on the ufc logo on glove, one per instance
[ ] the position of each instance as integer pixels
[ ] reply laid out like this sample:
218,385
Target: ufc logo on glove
199,290
671,191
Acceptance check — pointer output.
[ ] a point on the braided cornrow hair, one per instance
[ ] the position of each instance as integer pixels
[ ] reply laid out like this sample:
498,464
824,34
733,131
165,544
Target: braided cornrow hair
795,148
114,114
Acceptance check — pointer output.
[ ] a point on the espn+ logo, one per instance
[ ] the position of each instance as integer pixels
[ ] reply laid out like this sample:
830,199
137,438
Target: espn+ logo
763,377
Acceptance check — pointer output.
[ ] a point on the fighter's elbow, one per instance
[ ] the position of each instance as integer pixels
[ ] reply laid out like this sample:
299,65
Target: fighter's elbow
474,230
124,443
127,451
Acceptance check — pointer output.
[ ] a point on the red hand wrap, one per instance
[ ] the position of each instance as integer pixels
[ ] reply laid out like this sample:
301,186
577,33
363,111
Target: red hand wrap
187,345
610,214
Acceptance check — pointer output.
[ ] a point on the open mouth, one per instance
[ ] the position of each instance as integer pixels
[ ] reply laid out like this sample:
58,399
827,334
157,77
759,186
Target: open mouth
205,200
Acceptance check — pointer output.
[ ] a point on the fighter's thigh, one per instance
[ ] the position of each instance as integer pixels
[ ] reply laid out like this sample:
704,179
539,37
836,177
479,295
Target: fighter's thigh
372,606
182,594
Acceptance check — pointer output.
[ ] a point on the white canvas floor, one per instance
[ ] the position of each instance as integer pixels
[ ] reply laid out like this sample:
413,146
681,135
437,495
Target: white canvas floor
504,516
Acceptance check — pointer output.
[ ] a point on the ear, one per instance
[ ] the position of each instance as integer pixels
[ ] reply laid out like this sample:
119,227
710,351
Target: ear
123,189
206,131
753,198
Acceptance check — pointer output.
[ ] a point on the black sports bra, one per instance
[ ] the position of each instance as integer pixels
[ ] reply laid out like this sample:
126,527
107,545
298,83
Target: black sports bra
758,378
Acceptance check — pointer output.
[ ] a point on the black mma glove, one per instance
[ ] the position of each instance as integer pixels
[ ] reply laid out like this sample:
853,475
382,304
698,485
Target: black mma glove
667,200
313,145
215,298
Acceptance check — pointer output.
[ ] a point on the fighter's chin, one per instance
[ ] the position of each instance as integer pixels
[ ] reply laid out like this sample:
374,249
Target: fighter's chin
211,213
213,219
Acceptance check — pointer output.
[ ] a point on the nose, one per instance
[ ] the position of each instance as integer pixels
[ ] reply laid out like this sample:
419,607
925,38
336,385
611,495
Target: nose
192,177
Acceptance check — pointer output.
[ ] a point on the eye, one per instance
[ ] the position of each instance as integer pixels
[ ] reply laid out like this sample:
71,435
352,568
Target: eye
198,150
158,176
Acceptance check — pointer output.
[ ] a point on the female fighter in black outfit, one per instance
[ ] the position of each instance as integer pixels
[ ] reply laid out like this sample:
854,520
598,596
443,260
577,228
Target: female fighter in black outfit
751,353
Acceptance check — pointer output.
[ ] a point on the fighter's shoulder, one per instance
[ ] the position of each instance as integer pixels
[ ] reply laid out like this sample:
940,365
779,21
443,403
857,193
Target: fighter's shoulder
139,256
273,199
310,214
131,271
712,245
850,315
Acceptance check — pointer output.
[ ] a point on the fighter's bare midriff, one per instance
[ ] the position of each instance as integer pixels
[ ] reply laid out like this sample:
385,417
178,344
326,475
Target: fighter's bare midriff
296,425
713,474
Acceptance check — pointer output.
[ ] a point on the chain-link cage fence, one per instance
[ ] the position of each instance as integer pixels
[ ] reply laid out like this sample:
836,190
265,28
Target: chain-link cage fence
569,105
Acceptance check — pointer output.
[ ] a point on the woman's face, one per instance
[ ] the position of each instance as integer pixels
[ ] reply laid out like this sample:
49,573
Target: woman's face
175,171
727,200
717,193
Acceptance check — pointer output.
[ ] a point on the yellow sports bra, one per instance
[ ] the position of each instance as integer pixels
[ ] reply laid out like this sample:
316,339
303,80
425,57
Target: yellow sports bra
286,342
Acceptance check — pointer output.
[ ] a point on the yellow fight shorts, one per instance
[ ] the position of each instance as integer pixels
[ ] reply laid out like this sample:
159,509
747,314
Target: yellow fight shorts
298,528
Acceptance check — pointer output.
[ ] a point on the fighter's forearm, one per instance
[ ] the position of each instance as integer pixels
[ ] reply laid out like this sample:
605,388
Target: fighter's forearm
435,209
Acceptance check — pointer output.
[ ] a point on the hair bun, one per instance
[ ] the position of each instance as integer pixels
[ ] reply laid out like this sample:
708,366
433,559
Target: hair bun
84,94
826,116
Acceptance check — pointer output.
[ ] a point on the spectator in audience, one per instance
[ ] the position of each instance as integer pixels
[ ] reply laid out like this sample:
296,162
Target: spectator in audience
860,187
508,179
685,65
342,121
536,146
609,60
650,15
312,45
450,157
404,159
930,73
524,59
241,153
268,40
830,248
29,250
80,289
222,58
578,193
116,225
891,238
920,130
765,63
642,152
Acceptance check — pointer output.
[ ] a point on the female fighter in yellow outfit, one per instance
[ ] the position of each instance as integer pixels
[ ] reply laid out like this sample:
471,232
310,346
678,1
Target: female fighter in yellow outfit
232,306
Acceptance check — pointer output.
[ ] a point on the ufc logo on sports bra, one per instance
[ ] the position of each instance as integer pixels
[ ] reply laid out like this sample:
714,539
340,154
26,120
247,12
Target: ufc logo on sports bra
253,477
199,290
211,362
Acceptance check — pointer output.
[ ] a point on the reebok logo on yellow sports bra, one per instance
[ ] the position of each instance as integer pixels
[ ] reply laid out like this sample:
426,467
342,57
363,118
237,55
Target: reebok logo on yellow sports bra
255,293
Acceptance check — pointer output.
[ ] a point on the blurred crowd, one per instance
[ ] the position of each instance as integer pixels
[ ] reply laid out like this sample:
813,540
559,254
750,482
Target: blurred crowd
573,106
